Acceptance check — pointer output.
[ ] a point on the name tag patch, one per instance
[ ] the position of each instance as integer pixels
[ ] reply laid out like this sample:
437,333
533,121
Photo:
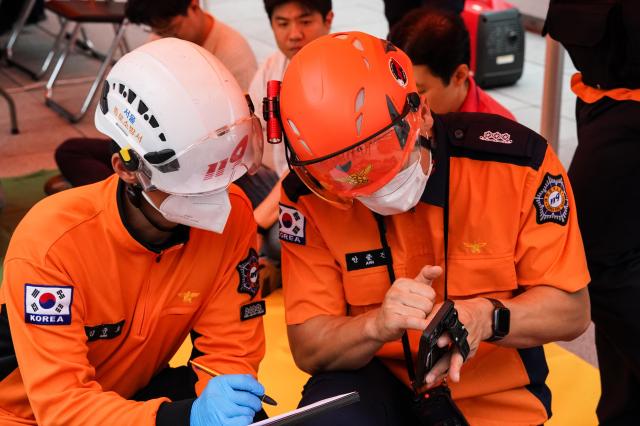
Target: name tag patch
252,310
367,259
551,201
292,225
47,305
104,331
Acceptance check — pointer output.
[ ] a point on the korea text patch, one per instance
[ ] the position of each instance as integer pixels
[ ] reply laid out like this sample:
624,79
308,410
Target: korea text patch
292,225
248,271
47,305
551,202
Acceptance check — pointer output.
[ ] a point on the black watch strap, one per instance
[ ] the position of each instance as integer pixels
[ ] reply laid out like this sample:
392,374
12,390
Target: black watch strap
500,320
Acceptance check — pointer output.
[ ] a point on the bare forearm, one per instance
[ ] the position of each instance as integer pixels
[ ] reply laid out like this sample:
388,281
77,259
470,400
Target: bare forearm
545,314
327,343
266,213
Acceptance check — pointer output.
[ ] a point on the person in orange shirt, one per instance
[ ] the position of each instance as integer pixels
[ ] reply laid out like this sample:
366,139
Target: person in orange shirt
103,283
392,210
437,42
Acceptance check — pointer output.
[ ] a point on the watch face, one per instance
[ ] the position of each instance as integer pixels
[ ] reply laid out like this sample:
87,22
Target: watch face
501,321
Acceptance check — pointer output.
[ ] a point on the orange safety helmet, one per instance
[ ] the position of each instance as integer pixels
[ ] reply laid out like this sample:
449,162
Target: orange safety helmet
349,108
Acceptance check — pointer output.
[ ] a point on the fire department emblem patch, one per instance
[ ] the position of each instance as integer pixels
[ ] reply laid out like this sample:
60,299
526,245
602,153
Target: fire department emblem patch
248,271
398,72
292,225
551,201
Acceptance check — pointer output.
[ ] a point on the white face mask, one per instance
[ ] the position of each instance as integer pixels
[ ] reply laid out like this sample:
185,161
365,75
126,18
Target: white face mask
401,193
209,212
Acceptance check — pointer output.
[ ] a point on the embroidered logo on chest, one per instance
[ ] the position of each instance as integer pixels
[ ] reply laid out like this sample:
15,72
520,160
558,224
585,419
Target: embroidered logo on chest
475,248
248,271
551,201
188,296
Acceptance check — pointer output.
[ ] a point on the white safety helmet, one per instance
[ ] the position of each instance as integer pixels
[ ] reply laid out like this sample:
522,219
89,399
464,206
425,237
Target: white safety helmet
180,119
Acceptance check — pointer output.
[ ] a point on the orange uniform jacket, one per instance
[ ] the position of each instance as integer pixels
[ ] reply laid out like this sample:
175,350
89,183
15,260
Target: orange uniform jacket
512,225
94,314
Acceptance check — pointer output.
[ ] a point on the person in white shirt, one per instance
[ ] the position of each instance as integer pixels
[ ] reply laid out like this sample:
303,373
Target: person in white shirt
87,160
186,20
294,23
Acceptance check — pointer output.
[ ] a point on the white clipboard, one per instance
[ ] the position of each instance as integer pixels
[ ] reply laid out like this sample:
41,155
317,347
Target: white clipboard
293,417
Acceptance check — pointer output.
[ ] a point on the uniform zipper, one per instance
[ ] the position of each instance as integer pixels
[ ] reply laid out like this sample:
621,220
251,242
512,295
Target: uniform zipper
146,294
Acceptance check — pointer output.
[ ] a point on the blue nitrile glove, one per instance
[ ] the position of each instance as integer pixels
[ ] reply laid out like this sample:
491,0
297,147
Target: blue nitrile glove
228,400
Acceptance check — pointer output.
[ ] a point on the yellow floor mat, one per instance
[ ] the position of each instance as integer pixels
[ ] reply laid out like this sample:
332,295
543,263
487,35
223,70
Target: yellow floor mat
575,383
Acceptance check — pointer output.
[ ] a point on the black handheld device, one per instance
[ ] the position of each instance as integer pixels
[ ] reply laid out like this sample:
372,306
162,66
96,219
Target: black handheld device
445,321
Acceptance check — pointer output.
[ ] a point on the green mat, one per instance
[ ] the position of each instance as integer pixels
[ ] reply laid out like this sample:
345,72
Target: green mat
20,194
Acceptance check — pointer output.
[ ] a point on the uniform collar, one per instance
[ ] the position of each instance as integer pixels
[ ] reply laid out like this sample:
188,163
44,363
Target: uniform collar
123,232
435,192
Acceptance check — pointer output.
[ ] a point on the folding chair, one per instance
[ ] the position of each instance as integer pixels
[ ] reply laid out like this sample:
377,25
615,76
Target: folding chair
80,12
12,115
37,74
12,111
76,12
13,37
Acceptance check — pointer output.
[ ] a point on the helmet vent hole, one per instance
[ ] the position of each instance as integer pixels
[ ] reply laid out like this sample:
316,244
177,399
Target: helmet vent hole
360,99
359,124
293,127
341,36
304,144
358,45
366,63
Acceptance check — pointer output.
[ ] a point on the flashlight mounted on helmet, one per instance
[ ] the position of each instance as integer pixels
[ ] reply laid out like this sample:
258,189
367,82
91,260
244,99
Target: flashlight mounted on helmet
271,112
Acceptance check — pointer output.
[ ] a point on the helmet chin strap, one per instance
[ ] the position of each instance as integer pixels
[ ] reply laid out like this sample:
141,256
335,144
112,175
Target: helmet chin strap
134,193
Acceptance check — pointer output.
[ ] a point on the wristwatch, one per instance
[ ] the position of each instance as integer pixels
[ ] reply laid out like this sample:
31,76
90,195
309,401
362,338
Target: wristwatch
500,321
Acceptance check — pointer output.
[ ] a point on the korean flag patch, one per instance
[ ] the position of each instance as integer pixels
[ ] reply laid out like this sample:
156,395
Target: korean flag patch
47,305
551,201
292,225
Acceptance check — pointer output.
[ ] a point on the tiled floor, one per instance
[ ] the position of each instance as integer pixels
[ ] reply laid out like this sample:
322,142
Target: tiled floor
42,130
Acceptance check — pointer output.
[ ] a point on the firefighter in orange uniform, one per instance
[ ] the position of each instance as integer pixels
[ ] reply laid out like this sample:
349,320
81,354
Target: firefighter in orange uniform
390,211
103,283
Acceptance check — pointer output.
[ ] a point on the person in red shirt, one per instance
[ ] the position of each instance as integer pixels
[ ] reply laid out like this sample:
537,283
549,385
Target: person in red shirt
392,210
437,42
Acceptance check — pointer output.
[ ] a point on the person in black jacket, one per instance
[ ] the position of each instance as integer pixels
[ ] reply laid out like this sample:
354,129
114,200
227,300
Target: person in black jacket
603,40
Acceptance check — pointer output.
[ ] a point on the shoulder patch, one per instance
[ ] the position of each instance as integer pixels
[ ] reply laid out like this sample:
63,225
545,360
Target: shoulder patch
491,137
551,201
252,310
292,225
248,271
47,304
294,187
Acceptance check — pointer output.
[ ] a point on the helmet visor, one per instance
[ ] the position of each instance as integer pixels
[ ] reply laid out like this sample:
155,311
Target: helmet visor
210,164
365,168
